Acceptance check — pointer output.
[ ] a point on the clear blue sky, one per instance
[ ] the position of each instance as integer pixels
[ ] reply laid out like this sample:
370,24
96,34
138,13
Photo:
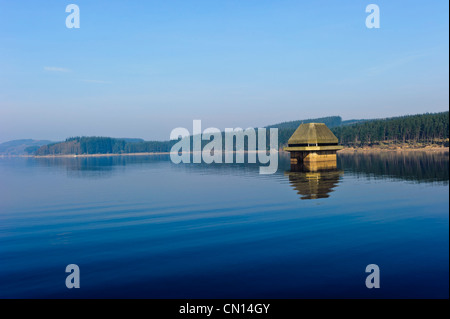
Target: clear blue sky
142,68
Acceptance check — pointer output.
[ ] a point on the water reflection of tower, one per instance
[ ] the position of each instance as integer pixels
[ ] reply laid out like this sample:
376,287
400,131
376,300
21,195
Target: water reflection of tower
313,184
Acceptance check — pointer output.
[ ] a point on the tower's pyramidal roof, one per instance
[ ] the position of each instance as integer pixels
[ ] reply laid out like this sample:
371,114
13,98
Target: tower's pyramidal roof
313,133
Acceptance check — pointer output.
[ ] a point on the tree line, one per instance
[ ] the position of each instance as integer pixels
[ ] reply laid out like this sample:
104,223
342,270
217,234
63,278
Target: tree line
424,128
429,128
103,145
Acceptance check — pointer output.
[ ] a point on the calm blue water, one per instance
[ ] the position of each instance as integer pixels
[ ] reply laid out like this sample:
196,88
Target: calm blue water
142,227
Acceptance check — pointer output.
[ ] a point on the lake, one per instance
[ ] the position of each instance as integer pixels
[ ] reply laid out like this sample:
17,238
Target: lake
143,227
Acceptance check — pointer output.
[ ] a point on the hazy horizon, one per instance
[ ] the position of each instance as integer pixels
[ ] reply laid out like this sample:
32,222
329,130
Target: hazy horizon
190,129
140,70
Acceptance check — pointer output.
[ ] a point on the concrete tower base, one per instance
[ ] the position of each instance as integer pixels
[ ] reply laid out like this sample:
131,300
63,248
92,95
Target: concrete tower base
312,156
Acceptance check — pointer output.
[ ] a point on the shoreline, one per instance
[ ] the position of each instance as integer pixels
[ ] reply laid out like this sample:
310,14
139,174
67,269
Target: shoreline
430,149
347,150
94,155
101,155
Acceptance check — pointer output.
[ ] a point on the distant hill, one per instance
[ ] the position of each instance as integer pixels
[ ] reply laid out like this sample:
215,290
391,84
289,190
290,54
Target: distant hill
423,129
350,122
330,121
22,147
103,145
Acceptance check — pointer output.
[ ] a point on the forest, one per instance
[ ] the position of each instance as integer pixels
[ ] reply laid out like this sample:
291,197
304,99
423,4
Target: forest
424,129
103,145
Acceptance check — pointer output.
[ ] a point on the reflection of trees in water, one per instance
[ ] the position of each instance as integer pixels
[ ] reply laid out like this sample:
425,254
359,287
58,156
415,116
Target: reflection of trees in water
241,169
104,166
318,180
97,166
415,166
411,166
